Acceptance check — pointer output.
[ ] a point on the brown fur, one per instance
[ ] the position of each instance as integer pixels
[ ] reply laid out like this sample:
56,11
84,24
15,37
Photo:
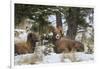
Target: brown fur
26,47
22,48
63,44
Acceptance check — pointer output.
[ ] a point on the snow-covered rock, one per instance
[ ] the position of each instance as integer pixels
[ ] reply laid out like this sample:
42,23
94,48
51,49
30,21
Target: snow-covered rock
51,58
23,59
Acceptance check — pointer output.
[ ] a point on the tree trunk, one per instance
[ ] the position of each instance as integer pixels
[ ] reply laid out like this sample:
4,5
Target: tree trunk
58,19
72,23
59,23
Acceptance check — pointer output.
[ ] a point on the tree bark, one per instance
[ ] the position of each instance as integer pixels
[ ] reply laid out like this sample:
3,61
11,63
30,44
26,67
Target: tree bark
58,19
59,23
72,23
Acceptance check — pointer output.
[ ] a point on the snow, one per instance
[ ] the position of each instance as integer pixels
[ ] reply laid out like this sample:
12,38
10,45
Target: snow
19,30
50,34
23,59
52,58
84,57
23,36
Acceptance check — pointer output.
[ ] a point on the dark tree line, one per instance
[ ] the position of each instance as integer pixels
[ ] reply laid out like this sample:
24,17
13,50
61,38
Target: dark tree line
75,17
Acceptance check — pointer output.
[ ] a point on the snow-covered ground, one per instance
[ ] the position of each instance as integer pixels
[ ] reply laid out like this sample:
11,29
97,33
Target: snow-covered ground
51,58
84,57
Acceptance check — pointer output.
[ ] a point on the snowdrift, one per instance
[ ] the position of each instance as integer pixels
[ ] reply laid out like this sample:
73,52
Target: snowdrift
27,59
